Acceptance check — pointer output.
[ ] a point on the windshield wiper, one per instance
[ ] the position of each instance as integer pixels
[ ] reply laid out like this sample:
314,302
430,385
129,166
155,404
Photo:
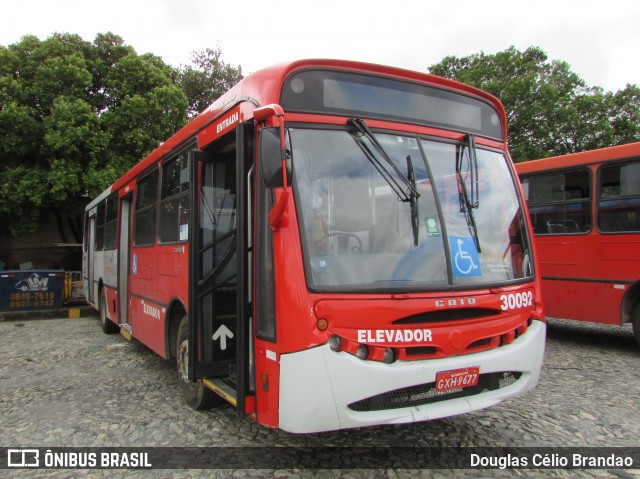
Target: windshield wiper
469,198
414,195
394,177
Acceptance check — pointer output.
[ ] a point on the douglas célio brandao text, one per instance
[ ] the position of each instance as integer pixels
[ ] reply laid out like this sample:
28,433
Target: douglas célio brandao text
551,461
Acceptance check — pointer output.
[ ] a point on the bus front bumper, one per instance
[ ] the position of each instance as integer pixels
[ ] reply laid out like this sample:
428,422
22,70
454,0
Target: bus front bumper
318,385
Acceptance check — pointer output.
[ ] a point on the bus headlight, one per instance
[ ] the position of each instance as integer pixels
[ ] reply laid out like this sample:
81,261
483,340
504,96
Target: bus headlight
389,355
362,352
335,343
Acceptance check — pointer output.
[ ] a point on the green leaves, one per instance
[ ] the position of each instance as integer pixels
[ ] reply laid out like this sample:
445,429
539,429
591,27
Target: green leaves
74,116
550,109
206,79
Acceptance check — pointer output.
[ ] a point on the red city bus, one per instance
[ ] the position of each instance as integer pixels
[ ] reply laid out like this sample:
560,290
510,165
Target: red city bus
329,245
585,210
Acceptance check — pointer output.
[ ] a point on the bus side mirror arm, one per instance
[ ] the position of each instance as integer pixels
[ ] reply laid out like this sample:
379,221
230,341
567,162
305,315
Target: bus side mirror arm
276,213
276,114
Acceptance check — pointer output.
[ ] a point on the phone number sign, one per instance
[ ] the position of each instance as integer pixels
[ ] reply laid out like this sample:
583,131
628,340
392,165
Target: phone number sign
31,290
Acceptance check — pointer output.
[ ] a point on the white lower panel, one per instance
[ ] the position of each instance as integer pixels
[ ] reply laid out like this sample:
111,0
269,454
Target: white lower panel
317,385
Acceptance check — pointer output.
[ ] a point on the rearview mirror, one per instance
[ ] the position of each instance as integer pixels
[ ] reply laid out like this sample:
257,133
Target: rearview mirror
273,114
271,158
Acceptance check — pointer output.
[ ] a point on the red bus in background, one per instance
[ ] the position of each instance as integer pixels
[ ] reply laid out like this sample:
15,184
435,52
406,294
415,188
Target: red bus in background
329,245
585,211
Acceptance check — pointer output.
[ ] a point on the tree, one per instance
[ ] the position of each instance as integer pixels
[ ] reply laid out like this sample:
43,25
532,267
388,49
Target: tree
207,79
74,116
624,113
550,109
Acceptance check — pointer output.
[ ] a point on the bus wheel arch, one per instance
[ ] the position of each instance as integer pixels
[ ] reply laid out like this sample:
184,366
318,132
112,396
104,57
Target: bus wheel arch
629,304
107,325
630,309
175,312
196,394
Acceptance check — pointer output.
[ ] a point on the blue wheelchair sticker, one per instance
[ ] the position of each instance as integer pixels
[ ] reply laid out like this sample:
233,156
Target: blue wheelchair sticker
465,256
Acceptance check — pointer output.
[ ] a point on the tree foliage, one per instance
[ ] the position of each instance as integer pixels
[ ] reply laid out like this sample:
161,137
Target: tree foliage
75,115
207,78
550,109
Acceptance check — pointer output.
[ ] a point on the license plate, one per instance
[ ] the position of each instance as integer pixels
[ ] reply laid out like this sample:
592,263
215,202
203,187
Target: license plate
457,379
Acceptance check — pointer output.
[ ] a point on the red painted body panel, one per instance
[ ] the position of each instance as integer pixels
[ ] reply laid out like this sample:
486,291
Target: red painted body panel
586,276
602,155
112,303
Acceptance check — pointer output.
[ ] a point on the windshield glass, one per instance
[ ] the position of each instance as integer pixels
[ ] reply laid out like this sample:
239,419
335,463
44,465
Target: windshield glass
492,221
357,233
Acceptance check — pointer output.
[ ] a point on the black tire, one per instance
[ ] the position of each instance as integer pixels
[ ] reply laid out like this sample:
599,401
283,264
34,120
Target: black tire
196,394
107,325
636,323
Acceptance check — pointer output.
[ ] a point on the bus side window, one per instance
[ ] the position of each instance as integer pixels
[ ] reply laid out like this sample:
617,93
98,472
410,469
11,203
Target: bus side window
619,198
145,213
85,243
174,200
559,203
265,318
110,222
99,243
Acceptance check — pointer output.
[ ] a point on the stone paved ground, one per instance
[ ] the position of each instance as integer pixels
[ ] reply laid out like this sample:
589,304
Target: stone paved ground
65,383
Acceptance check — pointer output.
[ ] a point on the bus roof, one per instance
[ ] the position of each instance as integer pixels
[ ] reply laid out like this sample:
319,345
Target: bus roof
264,86
611,153
98,199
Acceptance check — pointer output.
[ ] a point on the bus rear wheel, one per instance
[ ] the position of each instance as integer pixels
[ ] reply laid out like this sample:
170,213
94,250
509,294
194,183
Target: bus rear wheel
196,394
107,325
636,323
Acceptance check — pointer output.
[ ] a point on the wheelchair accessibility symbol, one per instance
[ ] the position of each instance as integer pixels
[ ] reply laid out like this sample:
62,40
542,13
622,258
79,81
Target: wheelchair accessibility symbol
465,256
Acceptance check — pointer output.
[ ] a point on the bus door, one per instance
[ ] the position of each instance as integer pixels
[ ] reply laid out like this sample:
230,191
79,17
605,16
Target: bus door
89,249
219,312
124,253
617,255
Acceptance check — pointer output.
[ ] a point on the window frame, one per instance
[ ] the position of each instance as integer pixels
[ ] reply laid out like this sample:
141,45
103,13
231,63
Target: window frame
110,223
138,210
599,199
181,197
588,201
98,243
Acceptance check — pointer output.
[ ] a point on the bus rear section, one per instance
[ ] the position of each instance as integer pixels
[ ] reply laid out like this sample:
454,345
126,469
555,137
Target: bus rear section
358,252
585,213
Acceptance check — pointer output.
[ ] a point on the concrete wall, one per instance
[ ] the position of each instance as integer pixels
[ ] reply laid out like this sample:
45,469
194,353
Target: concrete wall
43,248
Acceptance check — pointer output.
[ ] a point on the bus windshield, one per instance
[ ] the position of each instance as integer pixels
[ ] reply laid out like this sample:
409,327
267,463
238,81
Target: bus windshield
359,235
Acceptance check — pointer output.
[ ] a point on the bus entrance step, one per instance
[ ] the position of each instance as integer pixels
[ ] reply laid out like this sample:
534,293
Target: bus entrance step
125,330
222,389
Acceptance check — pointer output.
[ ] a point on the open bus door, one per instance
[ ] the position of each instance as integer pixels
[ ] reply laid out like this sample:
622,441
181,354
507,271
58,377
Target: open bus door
219,311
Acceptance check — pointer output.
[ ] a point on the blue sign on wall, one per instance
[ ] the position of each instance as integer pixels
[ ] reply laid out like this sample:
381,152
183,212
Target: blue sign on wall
31,290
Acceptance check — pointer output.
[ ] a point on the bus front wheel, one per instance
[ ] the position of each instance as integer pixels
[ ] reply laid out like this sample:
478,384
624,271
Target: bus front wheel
196,394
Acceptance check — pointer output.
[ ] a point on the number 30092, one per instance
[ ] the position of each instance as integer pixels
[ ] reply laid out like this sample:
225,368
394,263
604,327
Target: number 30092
516,300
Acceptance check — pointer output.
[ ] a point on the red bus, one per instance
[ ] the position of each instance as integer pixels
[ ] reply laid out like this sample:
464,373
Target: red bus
585,210
329,245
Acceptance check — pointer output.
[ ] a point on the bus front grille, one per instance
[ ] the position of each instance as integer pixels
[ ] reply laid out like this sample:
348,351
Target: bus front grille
426,393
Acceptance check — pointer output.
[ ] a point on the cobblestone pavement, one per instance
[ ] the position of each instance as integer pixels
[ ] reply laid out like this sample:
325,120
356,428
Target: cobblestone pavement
63,383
